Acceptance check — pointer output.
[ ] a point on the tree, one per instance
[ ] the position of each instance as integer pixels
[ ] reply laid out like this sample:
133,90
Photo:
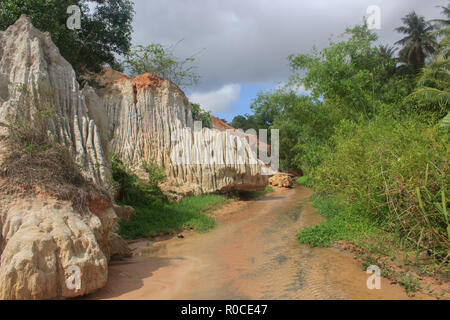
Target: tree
433,82
419,42
353,74
200,115
161,61
305,127
269,105
387,52
105,29
388,59
433,86
442,25
244,122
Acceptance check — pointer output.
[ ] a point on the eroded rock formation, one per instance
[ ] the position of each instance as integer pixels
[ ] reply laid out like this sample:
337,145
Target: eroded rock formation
41,238
150,120
252,139
30,62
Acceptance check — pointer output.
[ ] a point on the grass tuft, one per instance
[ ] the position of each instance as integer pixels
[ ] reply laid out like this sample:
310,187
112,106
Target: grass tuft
303,181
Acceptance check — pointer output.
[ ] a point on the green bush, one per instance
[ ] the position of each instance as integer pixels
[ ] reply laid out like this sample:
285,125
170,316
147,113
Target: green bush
395,172
200,115
133,191
155,174
161,61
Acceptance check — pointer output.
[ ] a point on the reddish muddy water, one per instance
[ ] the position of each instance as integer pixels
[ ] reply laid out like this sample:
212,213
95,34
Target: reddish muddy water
252,254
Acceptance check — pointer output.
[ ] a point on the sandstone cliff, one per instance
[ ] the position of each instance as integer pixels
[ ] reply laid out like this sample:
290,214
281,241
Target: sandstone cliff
28,58
150,120
252,139
42,238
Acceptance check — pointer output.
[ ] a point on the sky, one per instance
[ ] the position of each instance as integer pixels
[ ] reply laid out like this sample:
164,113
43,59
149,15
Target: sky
241,46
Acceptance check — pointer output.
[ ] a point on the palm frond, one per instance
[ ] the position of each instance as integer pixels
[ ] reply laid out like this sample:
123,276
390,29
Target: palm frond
444,125
433,95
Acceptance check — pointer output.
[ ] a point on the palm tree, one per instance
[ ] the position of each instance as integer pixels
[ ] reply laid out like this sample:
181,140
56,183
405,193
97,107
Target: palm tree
442,25
386,51
388,59
419,42
433,86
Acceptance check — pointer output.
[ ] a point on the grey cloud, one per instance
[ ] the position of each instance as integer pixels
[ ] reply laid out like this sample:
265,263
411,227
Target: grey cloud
248,41
217,100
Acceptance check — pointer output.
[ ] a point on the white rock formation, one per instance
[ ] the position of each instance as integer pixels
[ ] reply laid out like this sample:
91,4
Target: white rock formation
30,60
41,239
150,119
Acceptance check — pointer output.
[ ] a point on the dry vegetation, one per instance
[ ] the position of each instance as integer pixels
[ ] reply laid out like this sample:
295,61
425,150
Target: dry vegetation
37,163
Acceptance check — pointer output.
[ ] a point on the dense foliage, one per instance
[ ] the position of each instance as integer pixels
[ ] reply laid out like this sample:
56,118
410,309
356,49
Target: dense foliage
105,28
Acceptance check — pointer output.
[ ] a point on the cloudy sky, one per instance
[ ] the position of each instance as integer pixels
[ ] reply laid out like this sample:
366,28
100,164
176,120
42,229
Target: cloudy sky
242,45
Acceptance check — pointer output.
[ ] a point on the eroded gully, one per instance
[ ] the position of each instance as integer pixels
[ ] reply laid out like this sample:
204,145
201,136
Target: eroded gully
252,254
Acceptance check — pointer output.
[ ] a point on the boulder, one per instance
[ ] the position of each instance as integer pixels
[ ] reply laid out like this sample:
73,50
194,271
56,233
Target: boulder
119,247
283,180
42,239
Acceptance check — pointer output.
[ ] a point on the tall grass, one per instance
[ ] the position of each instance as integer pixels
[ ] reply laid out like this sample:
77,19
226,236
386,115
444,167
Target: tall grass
395,173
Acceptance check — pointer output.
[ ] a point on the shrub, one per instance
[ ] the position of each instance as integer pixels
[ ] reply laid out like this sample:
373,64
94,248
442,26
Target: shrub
200,115
133,191
161,61
155,176
392,171
303,181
